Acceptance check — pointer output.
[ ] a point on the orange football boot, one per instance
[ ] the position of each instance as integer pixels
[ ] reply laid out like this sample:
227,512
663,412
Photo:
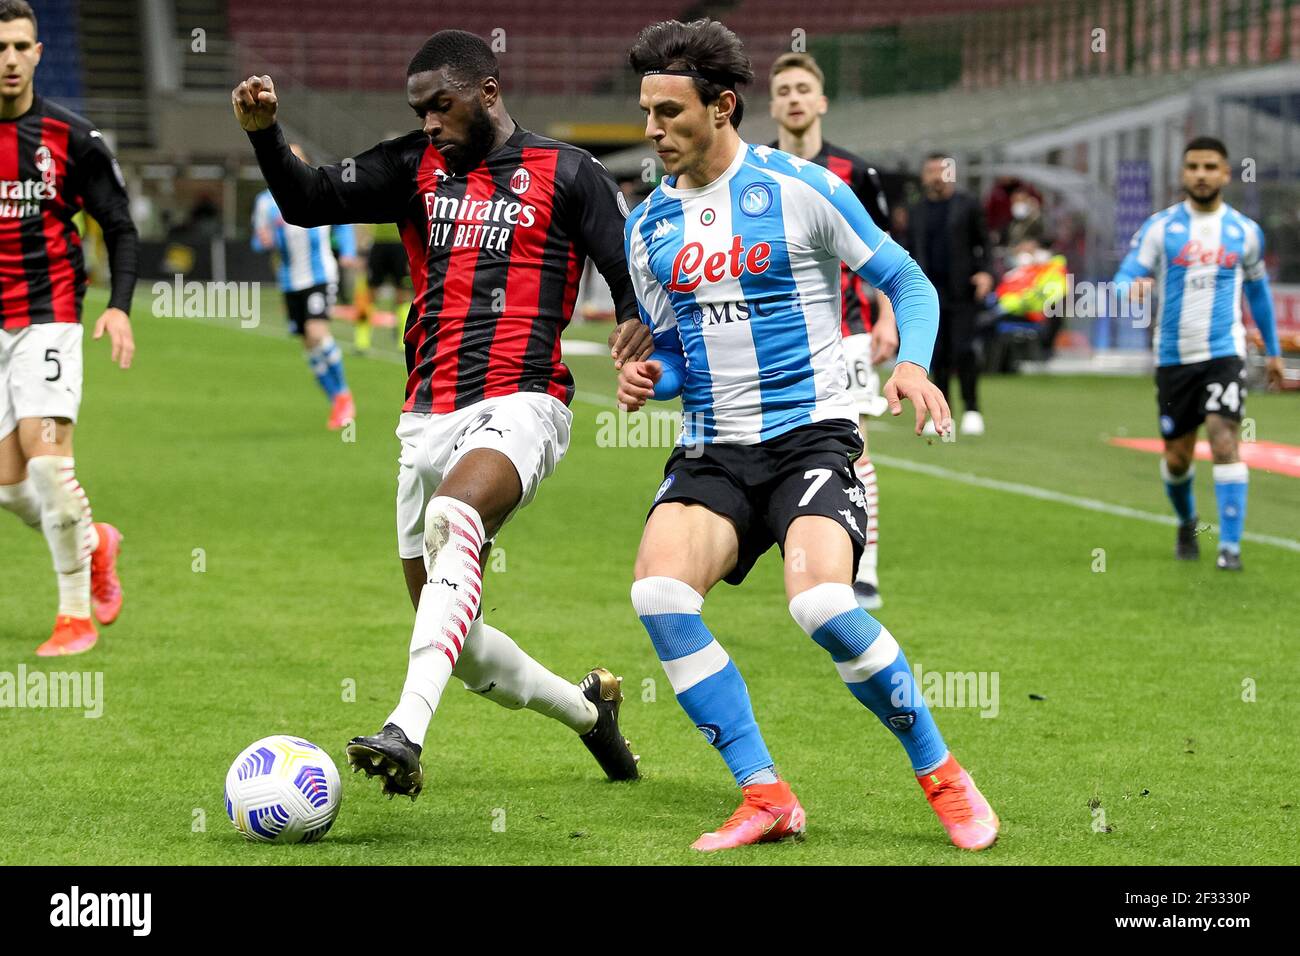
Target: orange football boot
72,635
105,588
343,412
769,812
962,809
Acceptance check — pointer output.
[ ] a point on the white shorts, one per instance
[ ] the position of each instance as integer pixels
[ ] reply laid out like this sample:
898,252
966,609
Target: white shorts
529,428
40,373
863,382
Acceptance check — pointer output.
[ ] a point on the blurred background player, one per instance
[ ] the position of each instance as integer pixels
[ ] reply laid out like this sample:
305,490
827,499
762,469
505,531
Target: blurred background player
308,273
54,163
769,434
486,417
946,235
868,327
1203,254
387,275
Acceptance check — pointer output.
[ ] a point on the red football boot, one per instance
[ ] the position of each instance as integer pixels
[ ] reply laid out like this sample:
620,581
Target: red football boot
105,588
770,812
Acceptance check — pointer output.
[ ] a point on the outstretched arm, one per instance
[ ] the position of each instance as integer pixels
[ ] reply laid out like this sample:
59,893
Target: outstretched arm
843,228
371,187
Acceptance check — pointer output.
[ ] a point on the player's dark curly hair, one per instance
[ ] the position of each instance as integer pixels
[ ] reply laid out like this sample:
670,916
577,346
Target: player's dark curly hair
470,58
17,10
703,45
1207,142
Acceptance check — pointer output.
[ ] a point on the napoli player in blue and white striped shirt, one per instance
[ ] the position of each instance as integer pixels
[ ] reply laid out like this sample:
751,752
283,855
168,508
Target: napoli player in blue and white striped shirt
735,260
308,274
1203,254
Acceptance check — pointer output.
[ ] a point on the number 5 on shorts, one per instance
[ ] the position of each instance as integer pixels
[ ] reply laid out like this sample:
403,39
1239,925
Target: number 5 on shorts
819,477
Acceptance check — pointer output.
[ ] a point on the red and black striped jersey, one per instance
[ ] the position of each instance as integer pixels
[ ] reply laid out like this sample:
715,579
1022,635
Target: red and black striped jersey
495,253
53,164
865,182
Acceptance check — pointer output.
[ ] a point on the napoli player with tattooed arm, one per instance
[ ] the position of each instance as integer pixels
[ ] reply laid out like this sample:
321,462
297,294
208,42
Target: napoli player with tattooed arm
53,165
497,223
735,258
1203,255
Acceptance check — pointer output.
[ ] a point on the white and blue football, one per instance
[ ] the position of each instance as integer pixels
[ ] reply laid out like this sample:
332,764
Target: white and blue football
283,789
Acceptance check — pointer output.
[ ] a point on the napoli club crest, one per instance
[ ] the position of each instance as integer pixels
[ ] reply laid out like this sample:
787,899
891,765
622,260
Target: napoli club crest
711,732
520,181
1166,425
756,200
663,489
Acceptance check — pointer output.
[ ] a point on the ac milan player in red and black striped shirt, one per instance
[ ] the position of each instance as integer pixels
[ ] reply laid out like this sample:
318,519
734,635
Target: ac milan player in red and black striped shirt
798,105
497,223
54,164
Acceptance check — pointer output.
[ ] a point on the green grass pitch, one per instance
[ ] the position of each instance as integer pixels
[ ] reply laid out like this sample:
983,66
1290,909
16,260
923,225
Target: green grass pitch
1121,734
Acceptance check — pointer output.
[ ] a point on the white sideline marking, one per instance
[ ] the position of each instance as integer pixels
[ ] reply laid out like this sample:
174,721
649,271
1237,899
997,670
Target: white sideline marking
1046,494
1016,488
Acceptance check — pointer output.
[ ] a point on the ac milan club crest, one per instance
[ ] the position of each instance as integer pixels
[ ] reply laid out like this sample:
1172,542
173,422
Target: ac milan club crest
45,163
520,181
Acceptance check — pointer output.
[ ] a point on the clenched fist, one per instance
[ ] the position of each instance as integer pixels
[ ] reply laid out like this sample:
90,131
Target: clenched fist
254,103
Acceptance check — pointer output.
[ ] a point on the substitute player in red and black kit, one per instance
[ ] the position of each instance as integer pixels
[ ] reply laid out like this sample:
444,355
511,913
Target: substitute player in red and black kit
54,164
497,223
868,326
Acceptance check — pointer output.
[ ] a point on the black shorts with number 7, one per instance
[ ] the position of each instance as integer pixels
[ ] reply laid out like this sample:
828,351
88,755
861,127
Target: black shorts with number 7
762,488
1187,393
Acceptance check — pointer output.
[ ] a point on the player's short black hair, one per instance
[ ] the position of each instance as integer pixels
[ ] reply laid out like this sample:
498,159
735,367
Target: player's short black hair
1207,142
17,10
470,58
703,45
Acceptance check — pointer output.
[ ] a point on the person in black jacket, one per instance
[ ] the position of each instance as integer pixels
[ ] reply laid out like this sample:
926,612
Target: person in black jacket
947,237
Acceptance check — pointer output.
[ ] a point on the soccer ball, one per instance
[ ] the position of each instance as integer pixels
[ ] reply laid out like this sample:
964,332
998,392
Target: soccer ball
283,789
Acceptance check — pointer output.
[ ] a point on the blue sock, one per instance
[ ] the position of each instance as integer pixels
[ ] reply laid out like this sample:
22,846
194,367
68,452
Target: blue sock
1179,490
321,369
1230,483
334,358
706,682
874,668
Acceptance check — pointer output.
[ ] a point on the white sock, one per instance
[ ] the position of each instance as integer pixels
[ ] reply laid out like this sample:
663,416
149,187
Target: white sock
449,602
494,666
21,499
68,527
866,473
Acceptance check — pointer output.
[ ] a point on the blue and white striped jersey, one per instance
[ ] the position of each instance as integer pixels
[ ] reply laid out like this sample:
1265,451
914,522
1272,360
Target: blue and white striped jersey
1200,261
306,258
742,278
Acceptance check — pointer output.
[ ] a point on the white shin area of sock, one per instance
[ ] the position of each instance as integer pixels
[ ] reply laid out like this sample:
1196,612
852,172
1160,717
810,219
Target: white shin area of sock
453,538
494,666
68,527
866,472
21,499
